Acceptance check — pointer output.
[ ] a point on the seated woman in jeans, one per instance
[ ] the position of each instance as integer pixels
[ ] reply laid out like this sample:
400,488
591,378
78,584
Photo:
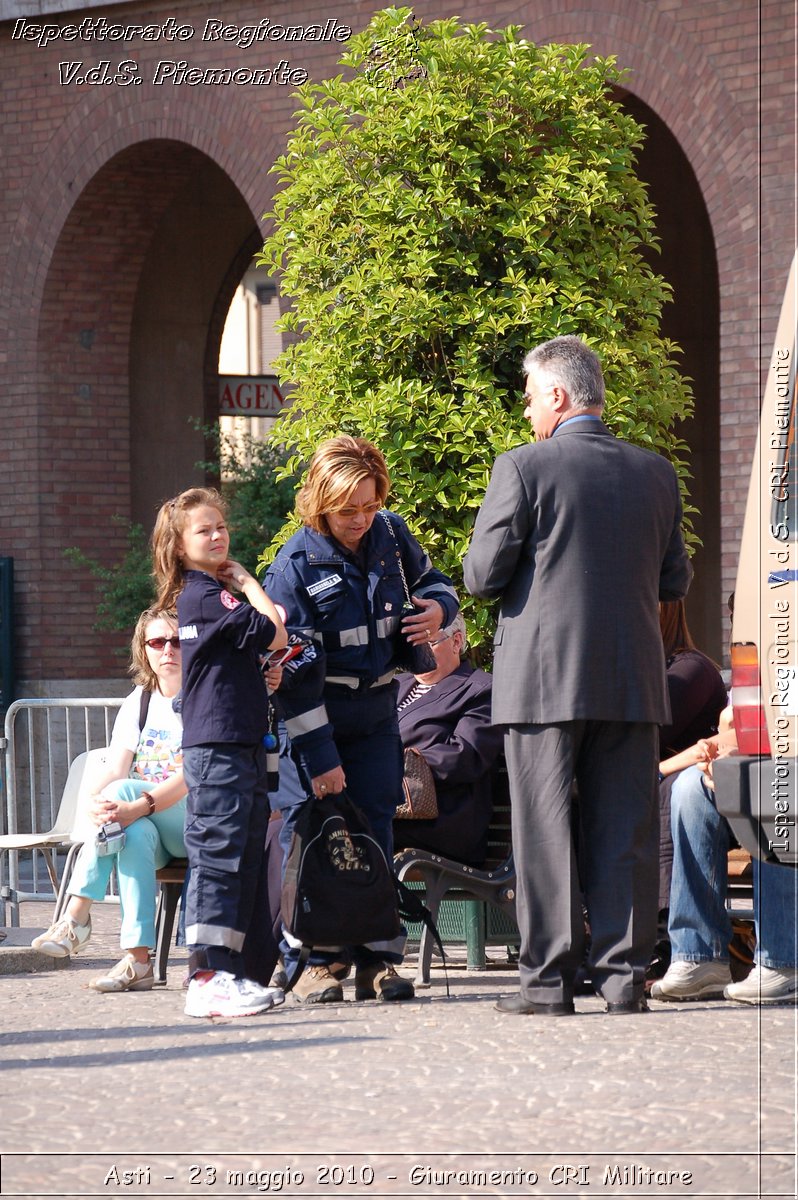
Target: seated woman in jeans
699,923
142,788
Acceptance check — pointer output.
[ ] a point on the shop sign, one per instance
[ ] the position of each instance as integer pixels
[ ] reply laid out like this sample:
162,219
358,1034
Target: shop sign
250,396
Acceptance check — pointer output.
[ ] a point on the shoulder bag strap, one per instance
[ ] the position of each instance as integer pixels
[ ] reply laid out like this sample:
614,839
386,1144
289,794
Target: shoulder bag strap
392,532
144,707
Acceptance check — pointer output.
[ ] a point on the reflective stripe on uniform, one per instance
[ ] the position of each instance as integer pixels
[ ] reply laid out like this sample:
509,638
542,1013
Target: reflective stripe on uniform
306,722
395,947
387,625
357,636
296,944
214,935
435,587
352,681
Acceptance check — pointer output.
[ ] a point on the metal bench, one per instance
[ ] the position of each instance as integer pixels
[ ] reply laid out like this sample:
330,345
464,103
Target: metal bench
495,883
449,880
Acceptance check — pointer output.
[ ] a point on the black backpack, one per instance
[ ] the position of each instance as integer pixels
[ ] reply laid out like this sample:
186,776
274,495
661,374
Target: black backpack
338,888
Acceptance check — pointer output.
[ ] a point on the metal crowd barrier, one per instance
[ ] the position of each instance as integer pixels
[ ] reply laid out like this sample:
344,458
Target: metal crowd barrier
41,738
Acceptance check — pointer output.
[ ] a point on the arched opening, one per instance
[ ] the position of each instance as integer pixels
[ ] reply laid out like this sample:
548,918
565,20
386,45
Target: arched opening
201,248
688,261
135,299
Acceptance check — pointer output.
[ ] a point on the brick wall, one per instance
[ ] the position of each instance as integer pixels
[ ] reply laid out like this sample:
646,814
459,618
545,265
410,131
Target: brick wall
91,172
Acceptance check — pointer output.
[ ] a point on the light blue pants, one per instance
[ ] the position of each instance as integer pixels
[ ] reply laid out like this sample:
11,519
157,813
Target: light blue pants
150,842
699,924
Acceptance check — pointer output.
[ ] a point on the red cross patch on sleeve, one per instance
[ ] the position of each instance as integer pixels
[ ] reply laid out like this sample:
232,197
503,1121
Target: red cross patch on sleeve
227,600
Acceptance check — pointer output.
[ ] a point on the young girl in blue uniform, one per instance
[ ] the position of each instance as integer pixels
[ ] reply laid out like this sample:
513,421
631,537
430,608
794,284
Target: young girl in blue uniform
225,718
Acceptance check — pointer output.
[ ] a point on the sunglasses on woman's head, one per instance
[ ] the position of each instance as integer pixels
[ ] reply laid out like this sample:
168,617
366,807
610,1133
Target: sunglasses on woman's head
161,643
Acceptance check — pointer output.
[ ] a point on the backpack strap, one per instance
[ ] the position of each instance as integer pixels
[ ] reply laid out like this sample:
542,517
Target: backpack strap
412,908
301,963
144,707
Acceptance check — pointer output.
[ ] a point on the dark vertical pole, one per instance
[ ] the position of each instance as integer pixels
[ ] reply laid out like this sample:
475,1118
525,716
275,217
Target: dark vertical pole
7,678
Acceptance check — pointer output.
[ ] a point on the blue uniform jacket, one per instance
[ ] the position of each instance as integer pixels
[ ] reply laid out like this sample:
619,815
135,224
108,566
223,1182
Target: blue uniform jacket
221,638
350,605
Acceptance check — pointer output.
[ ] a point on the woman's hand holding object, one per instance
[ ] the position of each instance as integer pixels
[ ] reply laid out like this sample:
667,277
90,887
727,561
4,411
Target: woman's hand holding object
425,624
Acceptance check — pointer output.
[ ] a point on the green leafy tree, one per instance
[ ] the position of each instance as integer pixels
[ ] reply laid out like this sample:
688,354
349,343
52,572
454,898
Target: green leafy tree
259,503
125,588
456,197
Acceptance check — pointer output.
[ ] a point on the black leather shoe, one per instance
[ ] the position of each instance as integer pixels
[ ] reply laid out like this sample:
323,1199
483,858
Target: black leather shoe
522,1008
628,1006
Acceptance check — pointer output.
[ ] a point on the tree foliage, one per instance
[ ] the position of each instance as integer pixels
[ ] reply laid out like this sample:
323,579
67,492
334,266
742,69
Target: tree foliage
258,501
125,588
456,196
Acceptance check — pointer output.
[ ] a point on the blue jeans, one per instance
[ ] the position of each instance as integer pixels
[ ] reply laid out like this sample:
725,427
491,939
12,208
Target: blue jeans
149,844
775,914
699,925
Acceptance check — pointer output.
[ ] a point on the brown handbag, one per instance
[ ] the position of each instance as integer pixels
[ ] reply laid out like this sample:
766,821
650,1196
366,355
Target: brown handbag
418,786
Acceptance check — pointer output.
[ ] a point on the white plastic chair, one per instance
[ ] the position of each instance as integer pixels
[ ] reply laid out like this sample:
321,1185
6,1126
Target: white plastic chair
68,833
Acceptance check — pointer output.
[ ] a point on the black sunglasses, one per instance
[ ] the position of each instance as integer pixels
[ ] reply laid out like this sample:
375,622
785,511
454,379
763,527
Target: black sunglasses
161,643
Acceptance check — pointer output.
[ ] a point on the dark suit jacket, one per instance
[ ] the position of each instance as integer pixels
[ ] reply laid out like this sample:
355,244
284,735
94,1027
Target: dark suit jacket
580,536
451,727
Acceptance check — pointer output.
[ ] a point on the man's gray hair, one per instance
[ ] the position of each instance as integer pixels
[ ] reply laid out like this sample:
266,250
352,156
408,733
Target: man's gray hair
458,625
569,362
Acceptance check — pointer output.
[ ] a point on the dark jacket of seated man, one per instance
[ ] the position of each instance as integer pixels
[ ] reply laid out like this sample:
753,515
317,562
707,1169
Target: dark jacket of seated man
450,725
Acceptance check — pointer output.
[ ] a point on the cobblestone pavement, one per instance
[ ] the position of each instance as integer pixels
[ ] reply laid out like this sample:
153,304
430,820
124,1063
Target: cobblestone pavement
374,1099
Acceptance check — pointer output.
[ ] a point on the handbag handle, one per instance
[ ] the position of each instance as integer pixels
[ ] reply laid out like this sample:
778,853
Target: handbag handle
384,516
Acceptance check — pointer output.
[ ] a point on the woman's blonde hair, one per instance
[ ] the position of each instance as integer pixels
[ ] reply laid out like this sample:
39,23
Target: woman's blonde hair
167,566
336,469
140,668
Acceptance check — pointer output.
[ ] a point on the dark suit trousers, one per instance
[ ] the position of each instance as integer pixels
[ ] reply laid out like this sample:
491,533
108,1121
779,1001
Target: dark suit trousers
615,767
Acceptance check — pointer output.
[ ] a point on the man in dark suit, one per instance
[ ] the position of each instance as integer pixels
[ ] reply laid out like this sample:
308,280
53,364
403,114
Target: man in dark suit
580,536
445,715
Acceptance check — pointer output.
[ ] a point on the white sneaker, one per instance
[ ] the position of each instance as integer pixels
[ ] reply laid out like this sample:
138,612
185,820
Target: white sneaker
765,985
222,995
275,994
63,939
692,981
128,975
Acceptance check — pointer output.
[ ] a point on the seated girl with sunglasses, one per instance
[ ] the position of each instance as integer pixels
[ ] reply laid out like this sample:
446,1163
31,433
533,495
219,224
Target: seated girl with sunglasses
141,787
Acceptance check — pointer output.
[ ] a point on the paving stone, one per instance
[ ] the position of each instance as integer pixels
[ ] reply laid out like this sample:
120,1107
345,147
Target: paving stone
91,1081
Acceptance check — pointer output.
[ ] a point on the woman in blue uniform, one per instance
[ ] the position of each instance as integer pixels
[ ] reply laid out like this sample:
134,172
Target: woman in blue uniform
339,580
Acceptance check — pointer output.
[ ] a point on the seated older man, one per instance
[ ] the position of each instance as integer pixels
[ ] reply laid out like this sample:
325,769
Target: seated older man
445,714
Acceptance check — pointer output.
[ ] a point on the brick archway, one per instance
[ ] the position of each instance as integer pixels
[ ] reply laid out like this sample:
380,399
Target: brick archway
688,261
125,255
700,74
